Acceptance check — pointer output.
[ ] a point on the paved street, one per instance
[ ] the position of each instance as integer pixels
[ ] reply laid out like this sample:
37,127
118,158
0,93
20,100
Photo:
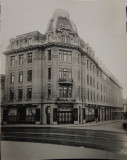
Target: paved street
107,136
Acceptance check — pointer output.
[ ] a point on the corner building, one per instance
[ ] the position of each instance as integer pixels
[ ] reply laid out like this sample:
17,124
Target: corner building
56,79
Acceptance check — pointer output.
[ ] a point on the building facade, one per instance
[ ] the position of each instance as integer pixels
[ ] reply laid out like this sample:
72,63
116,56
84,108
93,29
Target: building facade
2,89
55,78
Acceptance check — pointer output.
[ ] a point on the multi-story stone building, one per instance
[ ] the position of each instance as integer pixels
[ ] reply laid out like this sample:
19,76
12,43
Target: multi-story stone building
2,85
55,78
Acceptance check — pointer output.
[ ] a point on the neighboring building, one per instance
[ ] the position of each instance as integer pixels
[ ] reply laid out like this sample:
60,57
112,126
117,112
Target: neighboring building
2,88
125,105
55,78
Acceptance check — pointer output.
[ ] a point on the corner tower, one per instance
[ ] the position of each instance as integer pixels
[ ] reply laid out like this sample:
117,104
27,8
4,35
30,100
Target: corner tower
61,28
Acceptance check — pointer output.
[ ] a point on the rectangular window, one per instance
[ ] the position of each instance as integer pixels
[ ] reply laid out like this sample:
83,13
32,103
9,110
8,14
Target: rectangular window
49,55
87,64
60,55
97,72
90,66
79,75
97,97
69,56
49,91
12,60
94,83
21,76
69,74
65,55
49,73
65,73
29,75
21,59
67,39
65,91
29,93
91,81
91,96
88,95
70,92
101,87
63,39
87,79
29,57
11,94
93,68
94,97
12,77
97,85
20,93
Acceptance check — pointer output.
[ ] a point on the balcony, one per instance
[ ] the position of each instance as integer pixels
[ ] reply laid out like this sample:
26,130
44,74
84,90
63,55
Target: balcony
65,99
66,81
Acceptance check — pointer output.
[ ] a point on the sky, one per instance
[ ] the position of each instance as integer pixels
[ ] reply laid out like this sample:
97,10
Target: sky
101,23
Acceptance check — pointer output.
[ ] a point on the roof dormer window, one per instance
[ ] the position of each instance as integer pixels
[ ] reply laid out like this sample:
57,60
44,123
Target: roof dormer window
61,25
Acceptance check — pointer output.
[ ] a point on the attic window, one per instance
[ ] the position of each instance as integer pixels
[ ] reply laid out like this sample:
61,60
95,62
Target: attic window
61,25
67,26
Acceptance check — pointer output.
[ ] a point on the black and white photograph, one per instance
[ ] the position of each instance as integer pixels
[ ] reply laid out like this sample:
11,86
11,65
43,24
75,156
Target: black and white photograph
63,79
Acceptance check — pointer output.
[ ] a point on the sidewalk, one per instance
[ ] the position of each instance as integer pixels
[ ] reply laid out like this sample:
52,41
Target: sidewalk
39,151
113,126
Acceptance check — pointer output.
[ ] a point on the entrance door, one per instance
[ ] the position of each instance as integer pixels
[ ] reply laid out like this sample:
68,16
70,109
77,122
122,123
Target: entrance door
22,115
5,114
65,115
37,114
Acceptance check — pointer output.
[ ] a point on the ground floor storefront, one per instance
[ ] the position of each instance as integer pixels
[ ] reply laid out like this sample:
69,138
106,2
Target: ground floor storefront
58,113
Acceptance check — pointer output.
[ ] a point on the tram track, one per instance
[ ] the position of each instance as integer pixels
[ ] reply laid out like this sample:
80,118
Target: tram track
75,137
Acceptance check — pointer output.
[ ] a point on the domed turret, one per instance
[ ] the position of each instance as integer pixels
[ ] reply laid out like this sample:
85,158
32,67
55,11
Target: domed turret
61,21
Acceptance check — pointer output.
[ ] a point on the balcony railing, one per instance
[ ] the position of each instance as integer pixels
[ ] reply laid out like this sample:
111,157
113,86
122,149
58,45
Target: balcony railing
62,80
65,99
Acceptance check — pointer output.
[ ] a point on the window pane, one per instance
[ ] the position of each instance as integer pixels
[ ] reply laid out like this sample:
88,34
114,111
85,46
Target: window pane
29,75
29,56
21,76
20,59
11,94
49,73
12,60
29,93
49,54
